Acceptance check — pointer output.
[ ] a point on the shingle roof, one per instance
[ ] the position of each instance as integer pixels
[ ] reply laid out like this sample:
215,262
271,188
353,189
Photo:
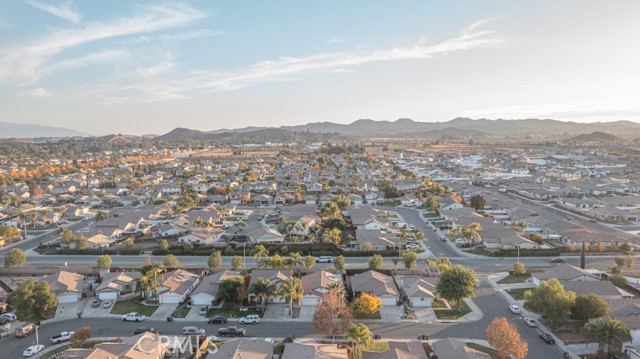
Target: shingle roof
374,282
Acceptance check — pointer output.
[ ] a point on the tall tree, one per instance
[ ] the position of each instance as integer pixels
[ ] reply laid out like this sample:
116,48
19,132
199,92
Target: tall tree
477,202
309,261
410,258
504,337
550,300
606,331
457,283
296,259
15,258
215,260
359,334
171,261
589,306
151,274
264,289
104,261
333,315
236,262
582,255
101,216
258,252
228,289
338,262
291,290
375,262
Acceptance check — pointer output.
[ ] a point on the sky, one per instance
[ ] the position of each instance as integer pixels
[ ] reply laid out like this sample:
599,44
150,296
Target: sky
146,67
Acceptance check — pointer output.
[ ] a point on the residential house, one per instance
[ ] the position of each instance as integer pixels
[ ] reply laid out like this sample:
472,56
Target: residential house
205,237
99,241
118,285
207,291
456,349
564,272
375,283
142,346
316,284
243,349
417,290
630,316
400,350
276,276
265,235
304,224
313,351
379,240
175,286
67,286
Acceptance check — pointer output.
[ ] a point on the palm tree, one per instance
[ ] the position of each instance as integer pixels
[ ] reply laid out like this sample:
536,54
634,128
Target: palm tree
151,273
337,287
291,290
607,331
359,333
258,252
295,259
264,289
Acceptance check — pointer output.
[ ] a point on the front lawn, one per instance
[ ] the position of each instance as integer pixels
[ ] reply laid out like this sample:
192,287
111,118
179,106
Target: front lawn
181,311
518,293
133,305
514,278
481,348
453,313
233,310
439,304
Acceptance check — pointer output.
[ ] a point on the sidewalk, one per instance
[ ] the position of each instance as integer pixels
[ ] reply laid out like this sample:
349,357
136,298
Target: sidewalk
475,315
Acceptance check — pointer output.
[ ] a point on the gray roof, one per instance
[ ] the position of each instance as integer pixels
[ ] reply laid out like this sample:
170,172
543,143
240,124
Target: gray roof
244,349
210,283
374,282
456,349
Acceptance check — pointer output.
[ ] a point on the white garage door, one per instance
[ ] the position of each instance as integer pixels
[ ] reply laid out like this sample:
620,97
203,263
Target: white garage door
389,301
201,300
309,301
67,298
170,299
108,295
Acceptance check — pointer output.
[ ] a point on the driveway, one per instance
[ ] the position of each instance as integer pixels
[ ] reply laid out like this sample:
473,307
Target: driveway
391,313
276,311
99,312
70,310
164,311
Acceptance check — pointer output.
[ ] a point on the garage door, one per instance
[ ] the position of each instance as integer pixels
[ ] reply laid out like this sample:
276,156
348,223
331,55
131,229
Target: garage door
108,295
309,301
67,298
169,299
389,301
201,300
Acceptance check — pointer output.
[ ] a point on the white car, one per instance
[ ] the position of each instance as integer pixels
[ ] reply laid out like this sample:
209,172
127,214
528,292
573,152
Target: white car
324,259
249,319
34,349
531,322
10,317
133,317
514,309
412,225
412,246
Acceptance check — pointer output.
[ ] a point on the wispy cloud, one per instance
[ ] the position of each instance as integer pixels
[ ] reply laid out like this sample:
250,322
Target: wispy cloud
470,38
335,40
155,70
27,62
35,93
190,35
100,57
63,11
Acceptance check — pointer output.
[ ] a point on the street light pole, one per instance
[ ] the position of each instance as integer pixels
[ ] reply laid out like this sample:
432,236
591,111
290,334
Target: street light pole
244,265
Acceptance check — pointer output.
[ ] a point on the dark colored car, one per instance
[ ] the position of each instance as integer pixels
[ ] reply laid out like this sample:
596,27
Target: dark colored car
146,329
218,320
557,260
547,338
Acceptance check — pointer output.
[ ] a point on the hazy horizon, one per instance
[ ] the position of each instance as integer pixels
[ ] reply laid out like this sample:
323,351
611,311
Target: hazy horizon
145,68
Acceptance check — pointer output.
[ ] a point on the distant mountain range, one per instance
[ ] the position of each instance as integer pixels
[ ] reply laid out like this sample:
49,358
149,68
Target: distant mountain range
16,130
595,137
404,127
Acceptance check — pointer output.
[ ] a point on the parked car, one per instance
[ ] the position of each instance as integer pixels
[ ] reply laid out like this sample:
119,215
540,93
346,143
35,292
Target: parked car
249,319
463,245
324,259
479,246
558,260
133,317
146,329
218,320
25,329
193,331
531,322
62,337
10,317
547,338
231,332
107,303
96,303
34,349
203,311
515,309
412,225
412,246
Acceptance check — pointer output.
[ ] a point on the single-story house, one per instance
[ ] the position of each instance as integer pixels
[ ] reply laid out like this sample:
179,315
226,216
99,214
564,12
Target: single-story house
565,272
276,276
202,237
243,348
266,235
100,241
67,286
378,284
114,285
456,349
176,285
400,350
316,284
417,289
313,351
206,292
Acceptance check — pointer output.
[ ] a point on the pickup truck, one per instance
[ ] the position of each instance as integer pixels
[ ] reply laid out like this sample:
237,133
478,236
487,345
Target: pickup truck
133,317
62,337
231,332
